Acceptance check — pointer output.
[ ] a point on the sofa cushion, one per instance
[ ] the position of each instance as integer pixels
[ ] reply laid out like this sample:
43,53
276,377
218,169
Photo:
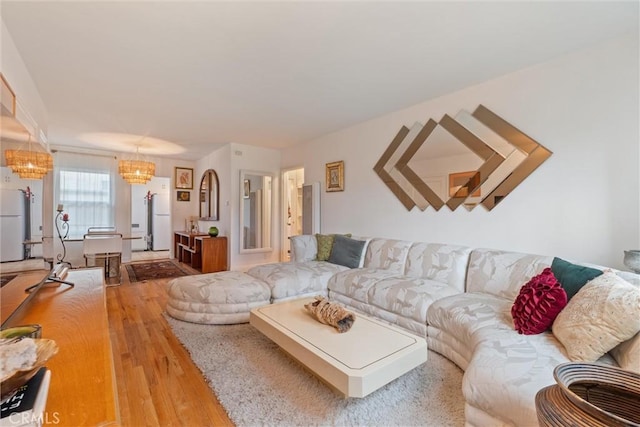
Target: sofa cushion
444,263
357,282
346,251
508,369
303,248
225,297
502,273
409,297
572,277
463,315
538,303
387,254
604,313
288,279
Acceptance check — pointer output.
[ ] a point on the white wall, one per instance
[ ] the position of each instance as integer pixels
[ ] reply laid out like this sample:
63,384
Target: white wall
582,204
227,162
219,161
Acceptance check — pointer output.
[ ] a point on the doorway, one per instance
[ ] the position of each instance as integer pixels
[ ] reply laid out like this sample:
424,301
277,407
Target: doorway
292,181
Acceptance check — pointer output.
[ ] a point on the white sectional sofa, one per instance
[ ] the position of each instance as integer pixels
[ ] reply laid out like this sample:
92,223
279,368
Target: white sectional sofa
399,280
460,300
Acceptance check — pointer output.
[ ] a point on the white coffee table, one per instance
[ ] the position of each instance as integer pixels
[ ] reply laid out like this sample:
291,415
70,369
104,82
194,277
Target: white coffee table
356,363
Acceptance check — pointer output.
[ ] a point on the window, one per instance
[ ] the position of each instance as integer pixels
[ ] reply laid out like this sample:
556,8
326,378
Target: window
86,197
85,186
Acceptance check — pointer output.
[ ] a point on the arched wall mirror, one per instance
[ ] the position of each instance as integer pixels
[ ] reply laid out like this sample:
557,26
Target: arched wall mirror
256,201
209,196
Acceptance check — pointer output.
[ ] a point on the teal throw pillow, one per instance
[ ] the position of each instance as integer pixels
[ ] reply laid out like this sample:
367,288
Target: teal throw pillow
572,277
346,251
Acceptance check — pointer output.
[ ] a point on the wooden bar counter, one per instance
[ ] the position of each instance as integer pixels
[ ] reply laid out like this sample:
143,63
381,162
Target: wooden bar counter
83,387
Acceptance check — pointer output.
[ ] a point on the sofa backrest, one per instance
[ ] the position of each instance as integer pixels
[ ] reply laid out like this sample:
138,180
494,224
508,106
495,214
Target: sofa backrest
387,254
503,273
435,261
303,248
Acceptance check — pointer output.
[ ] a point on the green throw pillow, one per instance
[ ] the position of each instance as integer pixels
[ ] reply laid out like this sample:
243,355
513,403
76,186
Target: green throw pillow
325,243
572,277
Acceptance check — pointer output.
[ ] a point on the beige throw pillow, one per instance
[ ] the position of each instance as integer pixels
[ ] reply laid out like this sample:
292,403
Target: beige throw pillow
604,313
627,354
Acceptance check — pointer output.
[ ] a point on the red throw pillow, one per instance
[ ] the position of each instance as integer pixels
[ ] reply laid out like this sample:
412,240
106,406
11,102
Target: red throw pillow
538,304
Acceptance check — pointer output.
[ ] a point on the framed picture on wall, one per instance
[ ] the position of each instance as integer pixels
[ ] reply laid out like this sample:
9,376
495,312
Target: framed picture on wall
184,196
335,176
184,178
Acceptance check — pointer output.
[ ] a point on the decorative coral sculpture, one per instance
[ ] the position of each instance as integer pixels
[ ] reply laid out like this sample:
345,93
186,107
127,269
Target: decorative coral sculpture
331,314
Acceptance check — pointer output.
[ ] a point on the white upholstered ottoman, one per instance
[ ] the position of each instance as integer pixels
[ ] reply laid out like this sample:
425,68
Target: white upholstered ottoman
220,298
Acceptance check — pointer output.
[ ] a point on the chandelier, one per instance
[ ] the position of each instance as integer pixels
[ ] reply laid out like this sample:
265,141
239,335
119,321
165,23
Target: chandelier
29,164
136,171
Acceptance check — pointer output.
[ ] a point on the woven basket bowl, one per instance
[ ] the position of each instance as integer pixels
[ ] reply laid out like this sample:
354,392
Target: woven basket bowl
606,393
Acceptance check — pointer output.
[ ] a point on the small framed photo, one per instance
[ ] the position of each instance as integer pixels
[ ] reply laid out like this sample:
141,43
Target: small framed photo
335,176
184,178
247,189
184,196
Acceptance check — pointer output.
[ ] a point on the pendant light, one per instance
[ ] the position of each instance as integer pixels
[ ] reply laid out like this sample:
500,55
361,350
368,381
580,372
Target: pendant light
136,171
29,164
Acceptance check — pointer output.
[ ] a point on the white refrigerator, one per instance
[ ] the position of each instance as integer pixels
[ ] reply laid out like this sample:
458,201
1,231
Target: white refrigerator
12,224
160,222
139,218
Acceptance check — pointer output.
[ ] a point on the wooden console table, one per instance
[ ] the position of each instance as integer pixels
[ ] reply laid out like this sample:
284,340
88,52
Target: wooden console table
201,252
184,245
83,385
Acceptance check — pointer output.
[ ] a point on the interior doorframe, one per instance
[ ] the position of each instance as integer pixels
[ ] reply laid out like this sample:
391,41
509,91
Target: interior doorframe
284,253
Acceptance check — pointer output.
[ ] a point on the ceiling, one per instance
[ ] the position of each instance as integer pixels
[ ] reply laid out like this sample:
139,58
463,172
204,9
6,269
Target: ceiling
182,78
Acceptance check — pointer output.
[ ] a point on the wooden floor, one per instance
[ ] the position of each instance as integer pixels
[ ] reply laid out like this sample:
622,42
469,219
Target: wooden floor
158,384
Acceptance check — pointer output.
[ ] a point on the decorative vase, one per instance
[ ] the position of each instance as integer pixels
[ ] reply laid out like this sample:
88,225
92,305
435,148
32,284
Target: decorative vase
213,231
632,260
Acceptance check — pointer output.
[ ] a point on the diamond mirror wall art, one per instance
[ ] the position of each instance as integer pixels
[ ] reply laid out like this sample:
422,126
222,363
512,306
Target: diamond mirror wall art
470,159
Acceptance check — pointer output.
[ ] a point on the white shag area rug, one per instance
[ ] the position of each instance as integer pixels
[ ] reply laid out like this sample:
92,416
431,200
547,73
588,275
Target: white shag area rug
259,384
